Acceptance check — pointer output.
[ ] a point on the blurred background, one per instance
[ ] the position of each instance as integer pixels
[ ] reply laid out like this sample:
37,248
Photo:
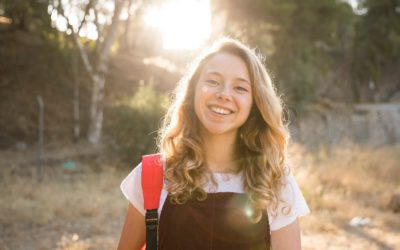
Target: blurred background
84,85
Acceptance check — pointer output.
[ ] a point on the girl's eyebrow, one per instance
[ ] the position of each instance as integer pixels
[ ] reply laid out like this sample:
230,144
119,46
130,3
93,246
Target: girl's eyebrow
220,75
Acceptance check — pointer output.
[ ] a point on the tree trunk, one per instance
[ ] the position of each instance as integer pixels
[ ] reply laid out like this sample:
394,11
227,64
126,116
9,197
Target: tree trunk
97,70
96,109
99,79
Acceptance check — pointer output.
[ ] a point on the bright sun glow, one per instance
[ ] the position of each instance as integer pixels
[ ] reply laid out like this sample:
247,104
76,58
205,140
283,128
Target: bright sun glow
184,24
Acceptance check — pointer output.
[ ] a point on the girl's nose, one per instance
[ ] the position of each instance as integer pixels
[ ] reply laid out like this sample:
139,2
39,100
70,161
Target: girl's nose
224,94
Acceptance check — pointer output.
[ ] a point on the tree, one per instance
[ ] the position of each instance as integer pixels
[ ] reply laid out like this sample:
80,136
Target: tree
27,15
376,43
97,68
303,40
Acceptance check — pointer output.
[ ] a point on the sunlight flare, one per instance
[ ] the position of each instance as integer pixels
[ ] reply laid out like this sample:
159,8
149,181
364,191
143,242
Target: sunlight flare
184,25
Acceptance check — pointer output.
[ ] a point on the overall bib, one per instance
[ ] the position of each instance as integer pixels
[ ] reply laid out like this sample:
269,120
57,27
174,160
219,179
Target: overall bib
220,222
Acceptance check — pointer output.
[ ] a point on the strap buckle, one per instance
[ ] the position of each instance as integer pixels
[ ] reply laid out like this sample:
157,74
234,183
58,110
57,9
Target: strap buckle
151,219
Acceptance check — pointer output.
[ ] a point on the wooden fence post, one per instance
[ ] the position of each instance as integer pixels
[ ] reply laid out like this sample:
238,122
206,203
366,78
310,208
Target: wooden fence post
40,138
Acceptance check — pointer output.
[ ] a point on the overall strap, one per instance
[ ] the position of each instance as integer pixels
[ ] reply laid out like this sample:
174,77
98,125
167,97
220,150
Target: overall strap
152,182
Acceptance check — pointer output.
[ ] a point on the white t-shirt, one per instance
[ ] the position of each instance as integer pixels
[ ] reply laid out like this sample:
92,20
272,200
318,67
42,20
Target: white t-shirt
131,187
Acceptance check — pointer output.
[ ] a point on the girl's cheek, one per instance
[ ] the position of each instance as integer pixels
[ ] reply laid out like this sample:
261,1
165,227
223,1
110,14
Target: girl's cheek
244,99
205,89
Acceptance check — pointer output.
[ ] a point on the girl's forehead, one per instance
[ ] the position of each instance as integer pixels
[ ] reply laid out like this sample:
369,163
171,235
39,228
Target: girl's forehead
226,64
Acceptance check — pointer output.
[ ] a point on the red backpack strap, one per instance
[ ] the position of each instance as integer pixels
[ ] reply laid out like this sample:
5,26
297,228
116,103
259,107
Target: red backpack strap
152,182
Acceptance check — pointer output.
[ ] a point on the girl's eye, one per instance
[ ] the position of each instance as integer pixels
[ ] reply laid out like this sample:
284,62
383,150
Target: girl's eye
212,82
241,89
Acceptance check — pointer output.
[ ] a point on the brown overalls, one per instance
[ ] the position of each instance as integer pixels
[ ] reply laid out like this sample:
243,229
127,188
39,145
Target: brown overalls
218,223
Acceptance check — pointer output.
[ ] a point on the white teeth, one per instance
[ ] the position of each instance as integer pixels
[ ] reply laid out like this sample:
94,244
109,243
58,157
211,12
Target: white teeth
221,111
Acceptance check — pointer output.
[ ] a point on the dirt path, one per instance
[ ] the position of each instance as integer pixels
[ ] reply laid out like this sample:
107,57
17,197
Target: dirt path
352,239
58,234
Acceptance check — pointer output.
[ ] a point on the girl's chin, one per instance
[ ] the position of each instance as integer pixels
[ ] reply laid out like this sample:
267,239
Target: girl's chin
219,131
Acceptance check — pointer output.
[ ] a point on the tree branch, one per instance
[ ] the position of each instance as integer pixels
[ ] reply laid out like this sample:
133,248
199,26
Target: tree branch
112,32
87,9
82,51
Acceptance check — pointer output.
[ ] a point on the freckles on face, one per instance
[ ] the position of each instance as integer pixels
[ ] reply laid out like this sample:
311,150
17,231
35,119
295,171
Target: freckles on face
205,89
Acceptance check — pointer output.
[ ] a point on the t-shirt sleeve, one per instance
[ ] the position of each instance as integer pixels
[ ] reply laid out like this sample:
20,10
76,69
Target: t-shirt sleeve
292,206
131,187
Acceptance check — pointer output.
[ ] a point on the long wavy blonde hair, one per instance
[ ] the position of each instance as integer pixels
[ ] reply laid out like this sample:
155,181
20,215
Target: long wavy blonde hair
261,144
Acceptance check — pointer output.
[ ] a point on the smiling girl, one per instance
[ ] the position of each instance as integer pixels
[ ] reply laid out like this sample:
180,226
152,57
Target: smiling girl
223,143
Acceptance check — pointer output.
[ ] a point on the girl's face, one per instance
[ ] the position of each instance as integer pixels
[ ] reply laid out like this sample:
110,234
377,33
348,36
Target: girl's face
223,94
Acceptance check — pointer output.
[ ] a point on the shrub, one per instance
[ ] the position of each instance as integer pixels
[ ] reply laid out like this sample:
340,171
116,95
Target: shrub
131,127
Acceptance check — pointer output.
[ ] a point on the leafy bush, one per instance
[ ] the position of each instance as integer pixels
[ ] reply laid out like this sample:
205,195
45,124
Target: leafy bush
131,127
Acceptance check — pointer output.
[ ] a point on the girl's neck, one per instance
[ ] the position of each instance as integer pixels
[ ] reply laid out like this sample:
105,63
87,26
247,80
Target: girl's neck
219,152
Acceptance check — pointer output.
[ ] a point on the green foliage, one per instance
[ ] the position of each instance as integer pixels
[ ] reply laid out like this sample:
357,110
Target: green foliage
308,38
147,99
377,40
26,15
308,45
131,128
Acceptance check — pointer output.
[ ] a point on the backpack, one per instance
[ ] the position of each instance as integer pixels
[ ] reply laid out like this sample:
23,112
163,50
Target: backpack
152,182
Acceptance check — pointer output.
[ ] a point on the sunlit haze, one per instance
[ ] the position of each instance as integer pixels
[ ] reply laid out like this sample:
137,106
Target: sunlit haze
88,30
184,24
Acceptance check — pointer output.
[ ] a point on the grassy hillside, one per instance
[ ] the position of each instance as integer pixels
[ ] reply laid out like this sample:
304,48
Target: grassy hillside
32,66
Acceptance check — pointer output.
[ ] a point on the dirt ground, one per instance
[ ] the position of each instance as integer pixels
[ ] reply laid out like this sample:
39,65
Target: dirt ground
80,206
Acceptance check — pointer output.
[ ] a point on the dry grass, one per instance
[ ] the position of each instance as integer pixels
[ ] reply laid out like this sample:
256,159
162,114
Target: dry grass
84,209
70,209
342,183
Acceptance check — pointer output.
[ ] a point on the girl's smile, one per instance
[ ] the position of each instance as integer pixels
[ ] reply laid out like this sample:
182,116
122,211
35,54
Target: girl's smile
220,110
